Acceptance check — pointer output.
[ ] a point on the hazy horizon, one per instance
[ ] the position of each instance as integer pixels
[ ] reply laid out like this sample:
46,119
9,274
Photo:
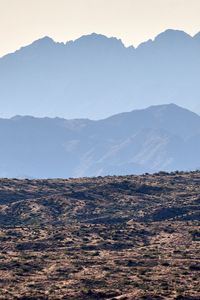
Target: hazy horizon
101,119
99,33
132,21
100,143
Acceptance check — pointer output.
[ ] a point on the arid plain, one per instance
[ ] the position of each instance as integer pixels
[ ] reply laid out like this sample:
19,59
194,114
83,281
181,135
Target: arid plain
130,237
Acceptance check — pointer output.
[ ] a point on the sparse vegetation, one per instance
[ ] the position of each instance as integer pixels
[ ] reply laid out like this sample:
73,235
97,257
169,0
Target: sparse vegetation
131,237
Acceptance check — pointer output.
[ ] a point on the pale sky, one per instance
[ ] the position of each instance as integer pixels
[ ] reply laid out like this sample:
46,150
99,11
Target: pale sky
134,21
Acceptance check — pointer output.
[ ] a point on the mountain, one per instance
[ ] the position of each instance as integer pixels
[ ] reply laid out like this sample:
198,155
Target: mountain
164,137
95,76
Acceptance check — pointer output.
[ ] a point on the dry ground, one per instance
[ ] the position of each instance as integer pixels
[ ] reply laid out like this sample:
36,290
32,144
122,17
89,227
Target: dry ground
131,237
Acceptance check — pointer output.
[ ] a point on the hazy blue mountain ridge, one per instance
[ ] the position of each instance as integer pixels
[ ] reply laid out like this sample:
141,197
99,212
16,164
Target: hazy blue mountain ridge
95,76
164,137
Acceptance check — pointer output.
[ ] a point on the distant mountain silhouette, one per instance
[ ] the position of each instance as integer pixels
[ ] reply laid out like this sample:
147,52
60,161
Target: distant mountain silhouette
95,76
165,137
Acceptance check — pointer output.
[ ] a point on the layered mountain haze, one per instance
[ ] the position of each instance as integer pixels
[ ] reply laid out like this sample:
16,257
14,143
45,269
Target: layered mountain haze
95,76
164,137
100,165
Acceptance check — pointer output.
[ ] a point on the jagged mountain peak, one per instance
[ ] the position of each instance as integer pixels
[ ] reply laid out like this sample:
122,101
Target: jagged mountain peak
49,78
44,40
167,38
172,34
41,43
96,39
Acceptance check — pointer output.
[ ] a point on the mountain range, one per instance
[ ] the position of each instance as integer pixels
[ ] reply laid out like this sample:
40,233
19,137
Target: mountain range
163,137
96,76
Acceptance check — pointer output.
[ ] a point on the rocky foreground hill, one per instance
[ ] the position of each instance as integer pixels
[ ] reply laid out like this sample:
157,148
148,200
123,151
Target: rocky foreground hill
130,237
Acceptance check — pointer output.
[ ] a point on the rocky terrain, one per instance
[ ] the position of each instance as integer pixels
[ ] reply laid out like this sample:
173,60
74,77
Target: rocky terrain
128,237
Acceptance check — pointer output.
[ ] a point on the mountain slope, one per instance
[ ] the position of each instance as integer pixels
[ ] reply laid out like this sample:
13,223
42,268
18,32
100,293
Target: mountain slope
157,138
57,79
